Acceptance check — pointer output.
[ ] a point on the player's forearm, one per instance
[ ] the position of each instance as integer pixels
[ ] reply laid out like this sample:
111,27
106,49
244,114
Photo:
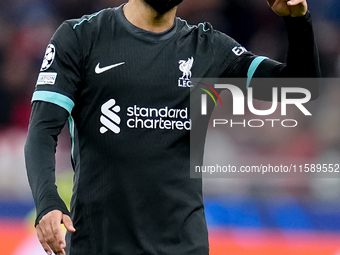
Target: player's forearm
302,59
46,123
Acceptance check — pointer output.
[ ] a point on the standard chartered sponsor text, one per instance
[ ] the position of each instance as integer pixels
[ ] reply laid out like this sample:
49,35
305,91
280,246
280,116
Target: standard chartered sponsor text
154,118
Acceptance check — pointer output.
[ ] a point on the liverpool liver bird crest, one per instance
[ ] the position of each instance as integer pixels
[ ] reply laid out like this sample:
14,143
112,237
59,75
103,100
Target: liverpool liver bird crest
185,67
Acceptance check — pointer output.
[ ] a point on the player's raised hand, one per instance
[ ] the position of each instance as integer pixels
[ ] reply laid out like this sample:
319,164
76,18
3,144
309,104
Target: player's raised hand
50,233
293,8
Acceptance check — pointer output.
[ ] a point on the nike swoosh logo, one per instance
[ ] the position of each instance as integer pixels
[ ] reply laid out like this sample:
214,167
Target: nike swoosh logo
100,70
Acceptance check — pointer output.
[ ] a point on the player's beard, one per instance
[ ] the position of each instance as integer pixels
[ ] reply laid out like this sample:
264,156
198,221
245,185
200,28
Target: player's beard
163,6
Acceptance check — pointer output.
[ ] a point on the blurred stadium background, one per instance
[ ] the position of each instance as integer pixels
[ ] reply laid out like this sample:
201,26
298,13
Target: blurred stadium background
245,216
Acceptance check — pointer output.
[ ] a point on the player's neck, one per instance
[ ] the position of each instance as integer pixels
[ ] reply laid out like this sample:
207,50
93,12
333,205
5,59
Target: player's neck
144,17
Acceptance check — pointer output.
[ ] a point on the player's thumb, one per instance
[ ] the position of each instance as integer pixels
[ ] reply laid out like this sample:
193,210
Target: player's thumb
68,223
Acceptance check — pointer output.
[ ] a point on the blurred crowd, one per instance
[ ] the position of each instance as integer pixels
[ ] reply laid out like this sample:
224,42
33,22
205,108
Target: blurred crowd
26,27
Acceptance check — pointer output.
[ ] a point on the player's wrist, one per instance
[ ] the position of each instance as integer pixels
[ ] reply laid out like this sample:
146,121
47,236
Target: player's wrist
304,18
298,14
61,207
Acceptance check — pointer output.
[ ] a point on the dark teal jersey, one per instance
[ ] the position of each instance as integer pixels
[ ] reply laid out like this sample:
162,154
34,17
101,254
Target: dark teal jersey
126,93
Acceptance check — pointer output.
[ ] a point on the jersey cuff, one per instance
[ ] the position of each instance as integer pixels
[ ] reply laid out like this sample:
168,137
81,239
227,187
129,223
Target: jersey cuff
54,98
252,68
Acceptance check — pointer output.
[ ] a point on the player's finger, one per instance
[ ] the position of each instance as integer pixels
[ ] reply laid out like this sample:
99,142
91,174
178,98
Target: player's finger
48,234
42,241
68,223
58,242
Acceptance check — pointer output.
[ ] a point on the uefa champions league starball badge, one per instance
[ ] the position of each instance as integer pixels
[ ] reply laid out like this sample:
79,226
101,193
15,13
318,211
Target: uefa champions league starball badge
48,58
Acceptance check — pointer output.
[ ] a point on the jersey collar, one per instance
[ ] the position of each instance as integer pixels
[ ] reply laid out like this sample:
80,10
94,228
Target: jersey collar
141,33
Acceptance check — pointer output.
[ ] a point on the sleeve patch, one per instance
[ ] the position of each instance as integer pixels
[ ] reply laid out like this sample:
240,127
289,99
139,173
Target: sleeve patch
47,78
48,58
239,50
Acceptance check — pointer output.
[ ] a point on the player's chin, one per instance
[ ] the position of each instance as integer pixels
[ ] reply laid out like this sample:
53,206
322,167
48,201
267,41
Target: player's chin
163,6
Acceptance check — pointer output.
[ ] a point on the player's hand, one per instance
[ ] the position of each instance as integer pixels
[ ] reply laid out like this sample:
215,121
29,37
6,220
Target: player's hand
50,233
293,8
